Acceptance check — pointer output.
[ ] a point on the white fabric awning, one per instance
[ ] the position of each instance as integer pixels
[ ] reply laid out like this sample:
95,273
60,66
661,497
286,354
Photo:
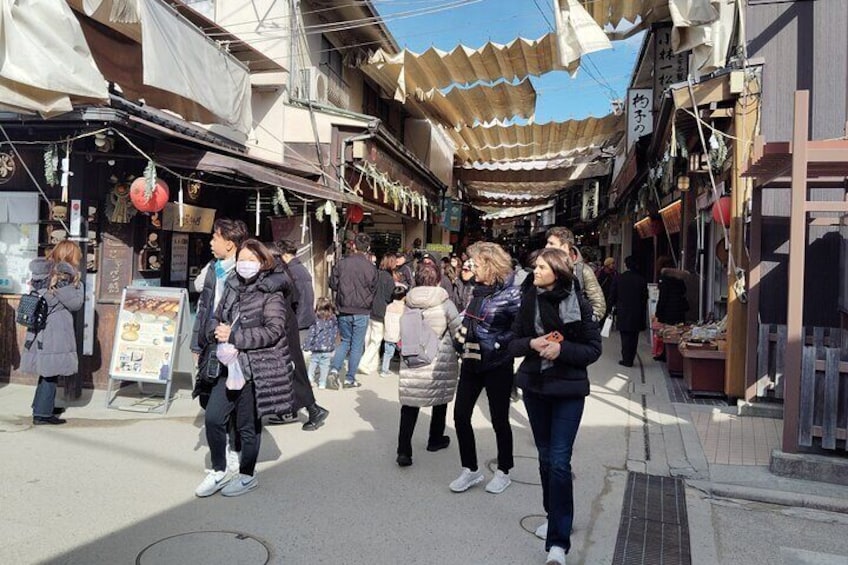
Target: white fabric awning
404,73
517,186
498,213
535,141
463,106
182,70
45,62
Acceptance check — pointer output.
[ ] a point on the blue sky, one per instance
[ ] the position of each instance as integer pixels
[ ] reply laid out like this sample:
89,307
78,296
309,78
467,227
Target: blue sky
559,97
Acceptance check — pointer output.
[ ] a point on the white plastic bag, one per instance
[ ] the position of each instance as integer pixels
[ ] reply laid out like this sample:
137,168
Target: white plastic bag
228,355
605,330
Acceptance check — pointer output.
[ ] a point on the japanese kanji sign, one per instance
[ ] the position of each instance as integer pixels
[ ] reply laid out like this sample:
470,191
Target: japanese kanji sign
669,67
640,115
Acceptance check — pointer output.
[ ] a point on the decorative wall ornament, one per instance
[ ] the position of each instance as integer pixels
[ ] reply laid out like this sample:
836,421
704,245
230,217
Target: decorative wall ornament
280,204
51,165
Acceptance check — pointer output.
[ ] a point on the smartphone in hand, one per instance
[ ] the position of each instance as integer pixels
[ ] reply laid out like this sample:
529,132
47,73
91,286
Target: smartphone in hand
555,337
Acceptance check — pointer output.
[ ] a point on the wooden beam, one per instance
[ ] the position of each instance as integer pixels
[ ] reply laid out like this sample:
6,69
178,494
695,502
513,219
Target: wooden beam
819,206
755,275
735,368
797,252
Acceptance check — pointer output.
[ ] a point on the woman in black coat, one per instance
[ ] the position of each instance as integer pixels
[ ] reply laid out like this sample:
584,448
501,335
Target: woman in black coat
555,334
257,378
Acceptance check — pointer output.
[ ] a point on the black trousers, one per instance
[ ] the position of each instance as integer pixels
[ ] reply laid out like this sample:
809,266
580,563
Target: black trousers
408,418
222,404
498,385
303,396
629,344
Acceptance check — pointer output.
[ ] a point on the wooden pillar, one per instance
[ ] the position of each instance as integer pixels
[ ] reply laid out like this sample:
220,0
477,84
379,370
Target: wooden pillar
797,249
744,122
755,275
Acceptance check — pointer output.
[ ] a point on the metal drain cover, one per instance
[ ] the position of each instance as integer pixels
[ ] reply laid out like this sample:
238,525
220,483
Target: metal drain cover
209,548
525,471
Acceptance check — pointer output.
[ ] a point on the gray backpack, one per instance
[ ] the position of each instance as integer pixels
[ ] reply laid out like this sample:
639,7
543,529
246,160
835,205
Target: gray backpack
419,344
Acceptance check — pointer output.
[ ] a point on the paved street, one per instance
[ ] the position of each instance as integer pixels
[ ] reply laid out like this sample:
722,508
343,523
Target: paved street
109,485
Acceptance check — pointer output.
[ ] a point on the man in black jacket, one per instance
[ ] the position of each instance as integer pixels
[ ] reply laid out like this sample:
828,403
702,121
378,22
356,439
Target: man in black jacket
354,279
305,305
630,296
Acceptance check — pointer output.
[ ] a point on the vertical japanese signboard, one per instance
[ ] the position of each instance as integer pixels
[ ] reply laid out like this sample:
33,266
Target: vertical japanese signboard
669,67
640,115
590,200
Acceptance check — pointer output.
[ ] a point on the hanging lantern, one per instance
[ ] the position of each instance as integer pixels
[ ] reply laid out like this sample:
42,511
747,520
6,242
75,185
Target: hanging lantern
721,210
157,199
355,213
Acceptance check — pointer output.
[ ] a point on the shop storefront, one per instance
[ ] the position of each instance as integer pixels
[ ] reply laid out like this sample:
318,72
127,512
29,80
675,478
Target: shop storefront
73,178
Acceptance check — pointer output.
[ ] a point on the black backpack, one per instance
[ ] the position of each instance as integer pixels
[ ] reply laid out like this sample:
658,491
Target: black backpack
32,312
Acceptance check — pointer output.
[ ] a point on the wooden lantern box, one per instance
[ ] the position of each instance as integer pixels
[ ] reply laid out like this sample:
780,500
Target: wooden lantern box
703,370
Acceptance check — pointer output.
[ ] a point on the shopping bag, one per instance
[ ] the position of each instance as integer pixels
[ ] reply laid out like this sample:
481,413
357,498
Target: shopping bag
605,330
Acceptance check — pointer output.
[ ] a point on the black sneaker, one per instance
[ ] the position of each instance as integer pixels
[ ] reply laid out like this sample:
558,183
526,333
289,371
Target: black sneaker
354,384
317,415
51,420
279,419
437,444
404,460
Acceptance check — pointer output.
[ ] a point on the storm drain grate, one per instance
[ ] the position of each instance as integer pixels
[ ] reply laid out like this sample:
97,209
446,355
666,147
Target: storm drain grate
654,528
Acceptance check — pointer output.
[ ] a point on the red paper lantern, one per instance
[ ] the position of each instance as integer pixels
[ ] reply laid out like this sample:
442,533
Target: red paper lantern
721,210
157,200
355,213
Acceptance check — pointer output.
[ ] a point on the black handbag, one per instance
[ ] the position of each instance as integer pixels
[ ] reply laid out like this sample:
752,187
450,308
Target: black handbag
32,312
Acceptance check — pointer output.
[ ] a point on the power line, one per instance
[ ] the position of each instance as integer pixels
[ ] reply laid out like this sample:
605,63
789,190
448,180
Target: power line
538,7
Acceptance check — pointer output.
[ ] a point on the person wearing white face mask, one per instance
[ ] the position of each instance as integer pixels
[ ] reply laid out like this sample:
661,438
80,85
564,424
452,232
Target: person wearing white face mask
257,379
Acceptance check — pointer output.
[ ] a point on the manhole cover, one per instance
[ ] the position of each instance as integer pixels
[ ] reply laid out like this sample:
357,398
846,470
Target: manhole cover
525,472
209,548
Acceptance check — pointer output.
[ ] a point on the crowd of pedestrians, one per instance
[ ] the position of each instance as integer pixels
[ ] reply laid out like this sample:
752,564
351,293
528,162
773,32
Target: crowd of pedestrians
456,324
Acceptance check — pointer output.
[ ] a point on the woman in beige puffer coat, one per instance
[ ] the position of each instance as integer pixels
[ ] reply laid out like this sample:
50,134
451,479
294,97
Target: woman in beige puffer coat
433,384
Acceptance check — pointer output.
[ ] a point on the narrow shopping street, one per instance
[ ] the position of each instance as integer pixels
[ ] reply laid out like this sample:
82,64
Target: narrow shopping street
114,486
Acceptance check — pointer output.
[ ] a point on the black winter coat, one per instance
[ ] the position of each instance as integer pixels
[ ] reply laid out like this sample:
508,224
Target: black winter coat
354,279
671,303
382,295
204,323
631,301
581,347
305,304
260,336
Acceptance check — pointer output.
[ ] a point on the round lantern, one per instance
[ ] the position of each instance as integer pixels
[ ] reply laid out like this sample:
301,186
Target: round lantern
355,213
721,210
157,199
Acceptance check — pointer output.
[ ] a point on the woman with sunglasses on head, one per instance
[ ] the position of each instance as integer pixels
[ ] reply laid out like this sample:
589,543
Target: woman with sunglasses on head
258,376
555,334
486,364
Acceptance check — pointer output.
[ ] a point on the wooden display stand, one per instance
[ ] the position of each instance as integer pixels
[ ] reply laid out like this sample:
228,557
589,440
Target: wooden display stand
703,370
673,358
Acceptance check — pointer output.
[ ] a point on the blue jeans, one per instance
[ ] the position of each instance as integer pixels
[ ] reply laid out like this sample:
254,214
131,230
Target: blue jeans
555,422
320,360
45,397
389,348
352,329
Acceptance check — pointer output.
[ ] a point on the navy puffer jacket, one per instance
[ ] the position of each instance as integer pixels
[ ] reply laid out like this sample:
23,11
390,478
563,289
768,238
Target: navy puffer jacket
260,336
493,330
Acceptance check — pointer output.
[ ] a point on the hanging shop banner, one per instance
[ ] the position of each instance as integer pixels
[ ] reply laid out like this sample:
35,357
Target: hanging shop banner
179,257
669,67
640,115
451,214
146,332
88,314
195,218
590,200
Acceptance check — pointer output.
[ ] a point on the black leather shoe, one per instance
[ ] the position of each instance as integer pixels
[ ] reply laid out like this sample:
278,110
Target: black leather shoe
317,415
58,411
623,364
404,460
438,444
52,420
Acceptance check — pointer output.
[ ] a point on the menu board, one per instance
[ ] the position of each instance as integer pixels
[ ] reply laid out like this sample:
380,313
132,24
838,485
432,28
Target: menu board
146,334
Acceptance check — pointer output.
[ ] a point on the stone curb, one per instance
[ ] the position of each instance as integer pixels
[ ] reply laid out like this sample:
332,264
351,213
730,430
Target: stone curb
769,496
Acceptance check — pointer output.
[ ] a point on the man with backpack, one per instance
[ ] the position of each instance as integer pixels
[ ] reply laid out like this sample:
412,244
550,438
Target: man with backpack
563,238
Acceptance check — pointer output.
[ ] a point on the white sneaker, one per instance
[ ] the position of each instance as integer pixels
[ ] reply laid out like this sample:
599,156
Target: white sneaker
556,556
233,461
214,481
542,531
240,484
498,483
466,480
